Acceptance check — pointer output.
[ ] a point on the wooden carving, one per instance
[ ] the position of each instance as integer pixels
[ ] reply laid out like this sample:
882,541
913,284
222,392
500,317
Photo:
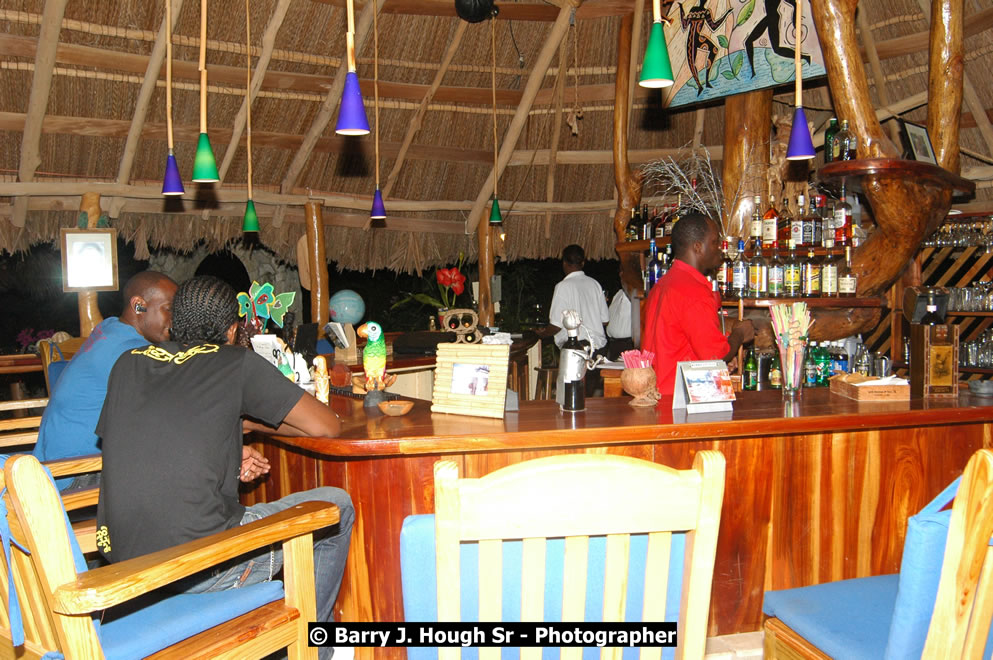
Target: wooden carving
908,200
627,181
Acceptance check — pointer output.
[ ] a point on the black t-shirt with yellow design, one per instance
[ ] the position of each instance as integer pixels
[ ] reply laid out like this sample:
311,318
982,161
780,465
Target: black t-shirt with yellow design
172,442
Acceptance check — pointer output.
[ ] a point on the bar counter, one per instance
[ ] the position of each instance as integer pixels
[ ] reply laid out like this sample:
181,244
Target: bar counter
816,491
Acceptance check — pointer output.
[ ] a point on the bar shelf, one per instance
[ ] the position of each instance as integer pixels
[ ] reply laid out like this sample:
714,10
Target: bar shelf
820,301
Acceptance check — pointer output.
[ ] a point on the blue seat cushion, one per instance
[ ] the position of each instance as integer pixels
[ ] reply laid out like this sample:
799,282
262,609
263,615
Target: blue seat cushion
419,582
164,620
845,619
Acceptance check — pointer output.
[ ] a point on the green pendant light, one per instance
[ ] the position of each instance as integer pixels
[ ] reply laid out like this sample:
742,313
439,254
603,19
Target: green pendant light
656,69
204,164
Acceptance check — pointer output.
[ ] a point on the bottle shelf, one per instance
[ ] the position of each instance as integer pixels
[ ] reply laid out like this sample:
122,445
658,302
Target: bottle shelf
969,314
640,246
892,168
757,303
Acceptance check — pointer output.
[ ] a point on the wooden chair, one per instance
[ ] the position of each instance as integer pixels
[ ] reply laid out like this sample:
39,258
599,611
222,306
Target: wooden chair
838,617
59,598
51,355
592,501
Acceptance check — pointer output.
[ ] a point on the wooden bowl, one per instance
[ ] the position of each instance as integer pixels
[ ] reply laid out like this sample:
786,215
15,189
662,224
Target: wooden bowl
396,408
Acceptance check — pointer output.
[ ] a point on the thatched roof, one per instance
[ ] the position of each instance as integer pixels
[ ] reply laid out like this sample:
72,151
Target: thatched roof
100,125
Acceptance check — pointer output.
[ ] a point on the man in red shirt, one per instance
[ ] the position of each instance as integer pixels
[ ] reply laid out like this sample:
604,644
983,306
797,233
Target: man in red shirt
681,311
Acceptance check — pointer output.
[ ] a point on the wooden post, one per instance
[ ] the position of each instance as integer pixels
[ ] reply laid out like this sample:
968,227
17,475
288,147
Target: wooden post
486,268
318,265
946,71
626,180
89,312
747,130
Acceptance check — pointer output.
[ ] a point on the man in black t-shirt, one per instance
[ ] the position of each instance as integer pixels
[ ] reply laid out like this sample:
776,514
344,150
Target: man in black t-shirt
173,454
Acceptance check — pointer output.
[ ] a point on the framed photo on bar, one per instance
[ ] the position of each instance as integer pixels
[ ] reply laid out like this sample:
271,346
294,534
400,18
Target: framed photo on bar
918,142
471,379
89,259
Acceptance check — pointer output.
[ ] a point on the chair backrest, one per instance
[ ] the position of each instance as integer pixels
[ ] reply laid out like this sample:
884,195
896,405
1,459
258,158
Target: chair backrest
51,559
576,497
55,357
963,608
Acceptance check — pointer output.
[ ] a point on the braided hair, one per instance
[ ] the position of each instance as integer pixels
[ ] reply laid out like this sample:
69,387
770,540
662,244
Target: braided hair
203,310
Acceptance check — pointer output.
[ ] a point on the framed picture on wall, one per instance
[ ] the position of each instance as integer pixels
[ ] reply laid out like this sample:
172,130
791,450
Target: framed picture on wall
89,259
918,142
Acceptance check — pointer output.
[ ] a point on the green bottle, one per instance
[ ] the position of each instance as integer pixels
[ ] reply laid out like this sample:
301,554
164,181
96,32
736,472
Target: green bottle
831,147
823,360
775,372
750,375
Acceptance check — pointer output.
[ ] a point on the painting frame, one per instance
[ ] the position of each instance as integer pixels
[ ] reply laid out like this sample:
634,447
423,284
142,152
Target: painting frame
918,142
471,379
89,259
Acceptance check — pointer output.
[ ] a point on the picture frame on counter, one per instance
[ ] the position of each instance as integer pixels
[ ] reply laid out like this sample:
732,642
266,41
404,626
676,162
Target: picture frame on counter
471,379
918,142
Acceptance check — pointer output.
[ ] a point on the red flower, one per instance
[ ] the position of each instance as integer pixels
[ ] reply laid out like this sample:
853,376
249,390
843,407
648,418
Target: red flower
458,281
445,276
450,278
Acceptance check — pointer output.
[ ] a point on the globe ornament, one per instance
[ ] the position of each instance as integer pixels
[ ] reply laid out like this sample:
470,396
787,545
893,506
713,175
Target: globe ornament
346,306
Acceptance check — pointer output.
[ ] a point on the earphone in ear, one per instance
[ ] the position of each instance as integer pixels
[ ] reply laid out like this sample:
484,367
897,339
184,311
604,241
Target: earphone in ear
139,308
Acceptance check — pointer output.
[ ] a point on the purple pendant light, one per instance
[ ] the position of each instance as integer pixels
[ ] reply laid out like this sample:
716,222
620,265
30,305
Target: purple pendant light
351,111
172,184
801,147
378,208
250,223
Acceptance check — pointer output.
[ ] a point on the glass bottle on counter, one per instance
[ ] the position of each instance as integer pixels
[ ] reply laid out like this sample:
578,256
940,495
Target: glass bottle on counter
862,364
810,274
739,272
792,279
931,314
775,372
810,366
770,222
847,280
758,273
776,272
848,142
750,372
831,149
823,360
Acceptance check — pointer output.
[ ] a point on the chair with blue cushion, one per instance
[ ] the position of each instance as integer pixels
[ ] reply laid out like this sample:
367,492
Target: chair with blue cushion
55,357
940,605
58,605
579,537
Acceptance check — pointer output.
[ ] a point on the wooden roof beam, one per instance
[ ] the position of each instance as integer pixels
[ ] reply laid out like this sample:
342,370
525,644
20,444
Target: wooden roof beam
559,29
331,101
141,106
48,42
415,123
553,145
509,11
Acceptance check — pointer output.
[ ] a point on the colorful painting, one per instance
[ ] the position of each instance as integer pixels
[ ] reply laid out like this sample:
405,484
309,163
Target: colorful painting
724,47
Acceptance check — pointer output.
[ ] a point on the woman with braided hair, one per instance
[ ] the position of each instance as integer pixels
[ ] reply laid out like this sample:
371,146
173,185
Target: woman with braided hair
172,427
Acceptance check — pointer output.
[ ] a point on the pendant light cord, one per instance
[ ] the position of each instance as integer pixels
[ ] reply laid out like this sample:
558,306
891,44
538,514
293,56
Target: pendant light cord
493,88
169,73
203,66
248,91
798,16
375,82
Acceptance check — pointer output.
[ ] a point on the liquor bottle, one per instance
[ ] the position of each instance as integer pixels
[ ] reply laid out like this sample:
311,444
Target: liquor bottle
724,271
776,272
656,267
842,219
821,220
755,227
770,222
831,149
847,280
848,142
785,231
775,372
750,373
796,229
792,279
758,273
572,371
810,221
631,233
862,365
739,272
646,224
658,222
931,311
810,274
829,269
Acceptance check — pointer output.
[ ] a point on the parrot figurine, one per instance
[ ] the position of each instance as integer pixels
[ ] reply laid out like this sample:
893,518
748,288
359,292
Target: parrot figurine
374,358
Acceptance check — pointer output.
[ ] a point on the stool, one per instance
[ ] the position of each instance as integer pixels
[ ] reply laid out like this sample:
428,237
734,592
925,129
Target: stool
545,387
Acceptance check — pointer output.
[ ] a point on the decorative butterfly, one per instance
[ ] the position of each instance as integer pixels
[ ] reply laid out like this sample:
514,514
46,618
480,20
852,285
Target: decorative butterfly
261,302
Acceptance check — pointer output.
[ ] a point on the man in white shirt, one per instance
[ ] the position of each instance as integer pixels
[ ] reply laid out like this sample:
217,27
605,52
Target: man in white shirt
619,326
582,293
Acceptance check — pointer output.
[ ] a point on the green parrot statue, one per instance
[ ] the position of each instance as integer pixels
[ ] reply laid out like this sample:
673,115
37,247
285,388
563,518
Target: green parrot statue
374,357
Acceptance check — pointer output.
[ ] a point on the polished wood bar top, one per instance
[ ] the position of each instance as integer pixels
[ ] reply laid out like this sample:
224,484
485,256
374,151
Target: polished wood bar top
606,421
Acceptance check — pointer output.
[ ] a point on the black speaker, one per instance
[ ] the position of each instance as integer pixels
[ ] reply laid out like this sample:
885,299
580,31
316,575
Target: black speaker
474,11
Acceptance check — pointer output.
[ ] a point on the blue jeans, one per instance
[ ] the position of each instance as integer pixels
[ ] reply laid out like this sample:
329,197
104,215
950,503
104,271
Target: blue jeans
330,554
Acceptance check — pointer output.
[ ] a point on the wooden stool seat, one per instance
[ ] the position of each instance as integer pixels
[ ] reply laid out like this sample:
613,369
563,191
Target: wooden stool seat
545,387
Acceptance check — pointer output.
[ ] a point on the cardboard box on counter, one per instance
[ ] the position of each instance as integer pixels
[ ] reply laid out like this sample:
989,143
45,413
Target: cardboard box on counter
844,384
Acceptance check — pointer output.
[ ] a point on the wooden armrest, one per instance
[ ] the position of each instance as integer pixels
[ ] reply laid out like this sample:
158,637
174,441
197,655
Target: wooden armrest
20,404
20,423
111,585
80,499
66,467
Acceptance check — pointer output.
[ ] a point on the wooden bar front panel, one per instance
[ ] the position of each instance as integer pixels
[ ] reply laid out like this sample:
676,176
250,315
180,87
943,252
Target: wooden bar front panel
799,508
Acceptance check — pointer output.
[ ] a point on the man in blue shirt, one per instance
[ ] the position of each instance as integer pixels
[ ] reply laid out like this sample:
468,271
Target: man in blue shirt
67,427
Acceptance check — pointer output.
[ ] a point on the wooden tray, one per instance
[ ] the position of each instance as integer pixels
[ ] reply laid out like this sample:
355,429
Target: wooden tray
844,384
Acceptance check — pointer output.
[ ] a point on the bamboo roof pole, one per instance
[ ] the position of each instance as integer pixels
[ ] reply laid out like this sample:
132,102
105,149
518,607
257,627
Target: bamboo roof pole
415,123
559,29
148,85
877,70
553,145
627,181
89,312
484,233
41,84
